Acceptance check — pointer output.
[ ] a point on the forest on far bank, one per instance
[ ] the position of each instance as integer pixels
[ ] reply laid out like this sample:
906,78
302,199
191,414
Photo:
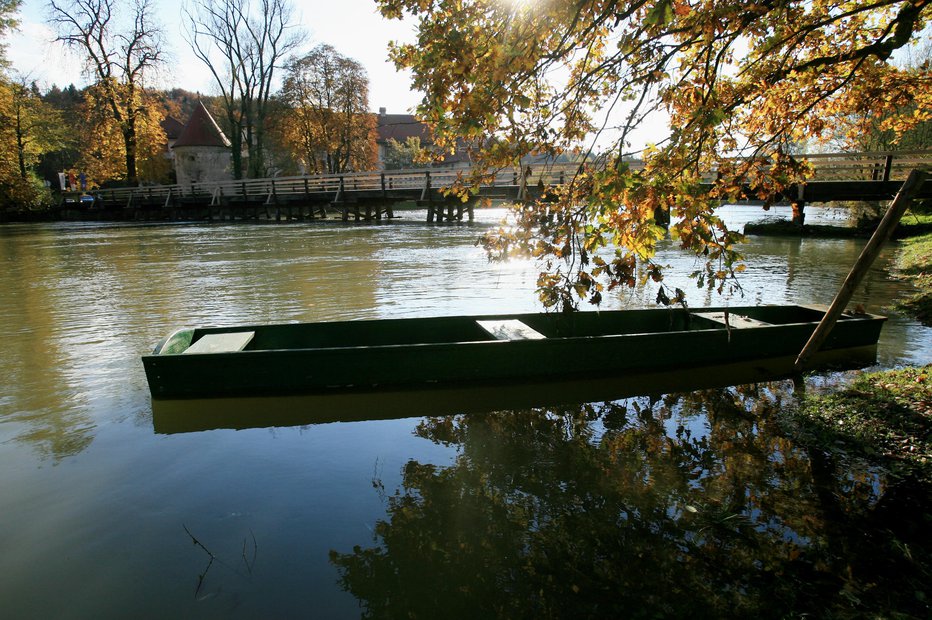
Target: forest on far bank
284,110
44,133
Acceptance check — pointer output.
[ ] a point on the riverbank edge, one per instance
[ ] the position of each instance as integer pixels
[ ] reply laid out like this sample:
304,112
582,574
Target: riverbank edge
913,262
783,228
879,424
881,417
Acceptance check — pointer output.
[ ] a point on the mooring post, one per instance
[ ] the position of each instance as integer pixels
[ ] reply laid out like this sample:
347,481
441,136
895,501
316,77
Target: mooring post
799,215
425,192
426,196
904,197
798,205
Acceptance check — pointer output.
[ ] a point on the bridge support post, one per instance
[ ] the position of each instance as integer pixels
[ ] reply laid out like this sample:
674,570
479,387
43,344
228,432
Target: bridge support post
426,196
307,202
522,190
799,216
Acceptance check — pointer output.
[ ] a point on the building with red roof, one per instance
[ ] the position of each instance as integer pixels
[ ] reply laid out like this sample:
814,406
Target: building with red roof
201,151
401,127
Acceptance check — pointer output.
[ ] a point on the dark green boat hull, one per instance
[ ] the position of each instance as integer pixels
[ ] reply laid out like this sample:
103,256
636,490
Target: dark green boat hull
406,353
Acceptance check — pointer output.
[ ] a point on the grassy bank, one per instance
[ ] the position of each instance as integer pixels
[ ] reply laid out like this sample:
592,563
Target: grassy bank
882,417
914,262
880,423
910,226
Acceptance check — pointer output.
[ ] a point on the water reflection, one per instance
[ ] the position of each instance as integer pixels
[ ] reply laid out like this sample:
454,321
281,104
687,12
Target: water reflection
81,303
690,505
183,416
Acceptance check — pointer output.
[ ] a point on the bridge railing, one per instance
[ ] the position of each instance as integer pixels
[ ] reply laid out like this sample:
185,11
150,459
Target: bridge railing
878,166
867,166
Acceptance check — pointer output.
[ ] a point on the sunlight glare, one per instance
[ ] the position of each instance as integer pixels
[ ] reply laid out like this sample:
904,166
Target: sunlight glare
518,6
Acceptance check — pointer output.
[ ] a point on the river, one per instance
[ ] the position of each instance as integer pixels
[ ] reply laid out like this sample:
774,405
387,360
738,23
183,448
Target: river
100,509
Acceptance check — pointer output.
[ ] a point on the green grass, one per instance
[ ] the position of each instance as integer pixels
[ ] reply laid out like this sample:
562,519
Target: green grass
916,255
914,262
913,219
883,417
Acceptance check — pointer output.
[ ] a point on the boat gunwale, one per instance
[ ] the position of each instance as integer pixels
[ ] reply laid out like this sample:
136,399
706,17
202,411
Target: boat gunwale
847,318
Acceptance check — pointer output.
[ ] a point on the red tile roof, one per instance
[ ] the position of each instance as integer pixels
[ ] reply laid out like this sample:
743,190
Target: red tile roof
172,126
201,130
400,127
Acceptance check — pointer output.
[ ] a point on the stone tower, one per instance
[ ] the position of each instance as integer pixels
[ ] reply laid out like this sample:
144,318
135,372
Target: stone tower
202,153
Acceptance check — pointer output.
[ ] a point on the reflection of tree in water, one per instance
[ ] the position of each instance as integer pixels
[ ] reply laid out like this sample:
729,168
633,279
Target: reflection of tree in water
690,505
55,435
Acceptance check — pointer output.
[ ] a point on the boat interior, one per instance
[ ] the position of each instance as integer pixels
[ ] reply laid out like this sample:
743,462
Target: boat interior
489,328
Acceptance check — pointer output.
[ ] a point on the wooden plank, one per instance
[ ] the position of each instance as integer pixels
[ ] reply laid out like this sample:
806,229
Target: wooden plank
221,343
734,321
511,329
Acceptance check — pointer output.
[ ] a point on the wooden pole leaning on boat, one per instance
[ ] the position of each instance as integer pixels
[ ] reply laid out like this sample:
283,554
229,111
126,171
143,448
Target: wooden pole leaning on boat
903,198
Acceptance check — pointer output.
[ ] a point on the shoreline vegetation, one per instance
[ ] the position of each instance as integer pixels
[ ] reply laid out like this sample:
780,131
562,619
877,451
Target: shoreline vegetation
884,420
883,416
912,225
880,422
914,263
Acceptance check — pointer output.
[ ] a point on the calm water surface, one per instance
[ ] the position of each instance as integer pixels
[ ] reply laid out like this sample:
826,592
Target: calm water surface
650,503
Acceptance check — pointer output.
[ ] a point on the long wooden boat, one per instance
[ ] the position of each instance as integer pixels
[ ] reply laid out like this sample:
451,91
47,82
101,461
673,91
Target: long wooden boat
307,358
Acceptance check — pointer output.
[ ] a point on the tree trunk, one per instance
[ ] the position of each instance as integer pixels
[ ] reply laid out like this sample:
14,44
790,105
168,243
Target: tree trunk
257,154
129,141
20,147
236,143
799,216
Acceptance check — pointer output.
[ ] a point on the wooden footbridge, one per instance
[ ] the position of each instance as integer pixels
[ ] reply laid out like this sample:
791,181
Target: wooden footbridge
374,195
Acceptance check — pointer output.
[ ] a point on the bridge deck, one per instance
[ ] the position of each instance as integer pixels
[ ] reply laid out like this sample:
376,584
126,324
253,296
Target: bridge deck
852,176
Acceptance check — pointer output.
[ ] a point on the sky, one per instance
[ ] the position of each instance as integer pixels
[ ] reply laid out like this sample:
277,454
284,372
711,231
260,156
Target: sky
353,27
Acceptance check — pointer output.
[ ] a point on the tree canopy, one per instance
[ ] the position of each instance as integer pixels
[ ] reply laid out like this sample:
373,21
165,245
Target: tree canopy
243,44
8,21
687,505
740,83
330,127
400,155
120,45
